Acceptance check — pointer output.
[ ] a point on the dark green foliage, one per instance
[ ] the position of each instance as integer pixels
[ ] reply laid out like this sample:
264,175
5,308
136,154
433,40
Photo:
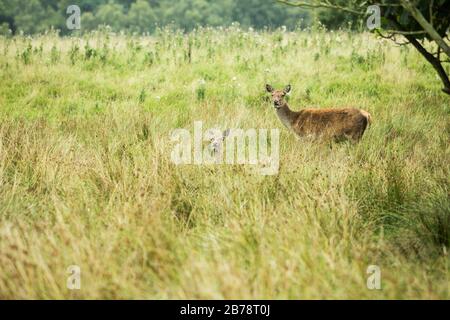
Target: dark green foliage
140,16
334,19
438,13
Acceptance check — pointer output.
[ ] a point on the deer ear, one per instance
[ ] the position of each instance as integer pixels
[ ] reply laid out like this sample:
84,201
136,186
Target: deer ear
287,89
269,88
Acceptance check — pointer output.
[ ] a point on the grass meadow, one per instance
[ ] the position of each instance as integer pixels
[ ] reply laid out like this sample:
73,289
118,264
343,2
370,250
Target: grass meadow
86,176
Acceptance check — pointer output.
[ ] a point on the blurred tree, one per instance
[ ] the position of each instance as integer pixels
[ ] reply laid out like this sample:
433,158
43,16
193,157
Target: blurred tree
262,14
141,17
88,21
7,14
188,14
29,16
111,14
335,19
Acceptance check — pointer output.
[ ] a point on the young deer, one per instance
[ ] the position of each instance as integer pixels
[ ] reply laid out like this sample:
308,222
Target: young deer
215,148
216,140
339,124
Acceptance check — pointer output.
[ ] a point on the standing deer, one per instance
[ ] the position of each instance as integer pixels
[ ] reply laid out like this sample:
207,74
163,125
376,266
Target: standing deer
348,123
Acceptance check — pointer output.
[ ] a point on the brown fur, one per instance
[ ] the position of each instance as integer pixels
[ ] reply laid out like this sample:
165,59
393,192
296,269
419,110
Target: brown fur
347,123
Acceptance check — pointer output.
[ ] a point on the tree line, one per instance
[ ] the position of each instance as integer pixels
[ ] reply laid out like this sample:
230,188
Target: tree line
35,16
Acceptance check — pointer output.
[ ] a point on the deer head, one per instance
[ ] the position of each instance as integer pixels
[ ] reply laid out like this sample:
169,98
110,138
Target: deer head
216,140
278,95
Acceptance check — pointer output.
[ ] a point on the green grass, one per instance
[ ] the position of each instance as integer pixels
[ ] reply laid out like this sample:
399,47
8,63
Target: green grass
86,177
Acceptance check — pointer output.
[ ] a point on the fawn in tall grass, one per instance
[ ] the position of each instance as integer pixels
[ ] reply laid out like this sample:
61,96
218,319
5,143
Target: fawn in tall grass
337,124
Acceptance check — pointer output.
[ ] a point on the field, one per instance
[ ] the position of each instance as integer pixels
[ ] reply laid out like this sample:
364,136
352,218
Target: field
86,177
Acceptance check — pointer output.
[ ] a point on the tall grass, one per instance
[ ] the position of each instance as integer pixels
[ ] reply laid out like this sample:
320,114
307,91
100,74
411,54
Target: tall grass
86,177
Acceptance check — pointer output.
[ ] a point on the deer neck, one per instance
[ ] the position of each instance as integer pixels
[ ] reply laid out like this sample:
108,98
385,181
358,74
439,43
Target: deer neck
286,115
